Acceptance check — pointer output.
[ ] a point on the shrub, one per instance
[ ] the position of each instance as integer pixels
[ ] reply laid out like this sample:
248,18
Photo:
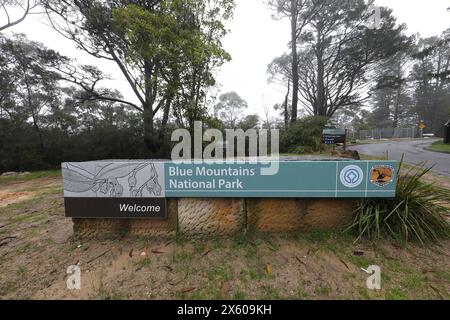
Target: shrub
415,214
304,134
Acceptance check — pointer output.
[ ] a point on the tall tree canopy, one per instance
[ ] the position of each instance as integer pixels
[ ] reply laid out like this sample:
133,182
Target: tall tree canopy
431,81
336,53
391,96
30,86
299,13
165,49
230,109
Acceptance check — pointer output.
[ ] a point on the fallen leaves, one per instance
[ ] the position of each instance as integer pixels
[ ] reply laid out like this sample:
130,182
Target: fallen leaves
344,263
187,290
301,261
174,284
168,268
99,256
269,270
4,241
208,251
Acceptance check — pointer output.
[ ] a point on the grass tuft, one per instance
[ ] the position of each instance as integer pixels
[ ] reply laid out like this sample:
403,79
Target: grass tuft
415,214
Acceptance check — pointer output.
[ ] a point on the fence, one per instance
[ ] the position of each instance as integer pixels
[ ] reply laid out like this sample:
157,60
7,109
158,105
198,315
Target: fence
389,133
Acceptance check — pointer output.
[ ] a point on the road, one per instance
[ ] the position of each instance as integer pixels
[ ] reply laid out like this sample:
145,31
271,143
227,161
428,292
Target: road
415,153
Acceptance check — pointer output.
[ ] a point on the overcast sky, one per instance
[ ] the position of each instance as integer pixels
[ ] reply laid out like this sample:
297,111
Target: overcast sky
254,40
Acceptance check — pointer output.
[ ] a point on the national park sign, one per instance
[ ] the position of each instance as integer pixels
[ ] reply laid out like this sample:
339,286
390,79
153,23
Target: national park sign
334,136
139,189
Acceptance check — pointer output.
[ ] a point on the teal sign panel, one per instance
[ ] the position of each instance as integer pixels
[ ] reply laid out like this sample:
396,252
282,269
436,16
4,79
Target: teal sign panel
294,179
334,131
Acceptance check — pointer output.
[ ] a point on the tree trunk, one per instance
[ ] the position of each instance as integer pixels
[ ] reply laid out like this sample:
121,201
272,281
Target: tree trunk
295,75
149,134
320,109
39,133
34,117
286,105
397,109
165,148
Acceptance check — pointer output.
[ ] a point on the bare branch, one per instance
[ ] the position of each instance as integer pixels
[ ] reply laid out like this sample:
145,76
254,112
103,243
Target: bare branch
19,20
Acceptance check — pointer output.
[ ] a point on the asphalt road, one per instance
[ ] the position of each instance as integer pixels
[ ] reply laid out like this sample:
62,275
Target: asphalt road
415,153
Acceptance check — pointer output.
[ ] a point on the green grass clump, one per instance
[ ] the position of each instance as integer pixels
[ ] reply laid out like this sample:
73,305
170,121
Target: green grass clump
440,146
32,176
415,214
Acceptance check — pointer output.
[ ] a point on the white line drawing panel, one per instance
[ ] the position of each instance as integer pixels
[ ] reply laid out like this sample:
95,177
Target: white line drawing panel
113,179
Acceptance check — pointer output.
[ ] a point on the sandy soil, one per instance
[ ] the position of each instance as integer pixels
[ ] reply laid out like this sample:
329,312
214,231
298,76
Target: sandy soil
37,246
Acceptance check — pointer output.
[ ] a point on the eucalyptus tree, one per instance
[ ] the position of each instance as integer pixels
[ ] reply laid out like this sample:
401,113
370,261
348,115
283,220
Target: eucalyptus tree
337,52
33,86
230,109
431,81
166,50
391,93
299,13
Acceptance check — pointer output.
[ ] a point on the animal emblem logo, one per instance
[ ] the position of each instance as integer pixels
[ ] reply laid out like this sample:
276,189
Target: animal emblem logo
382,175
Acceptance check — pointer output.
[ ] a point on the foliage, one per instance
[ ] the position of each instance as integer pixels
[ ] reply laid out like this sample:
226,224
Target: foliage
19,145
31,86
167,51
391,98
336,54
230,109
432,90
249,122
303,135
416,213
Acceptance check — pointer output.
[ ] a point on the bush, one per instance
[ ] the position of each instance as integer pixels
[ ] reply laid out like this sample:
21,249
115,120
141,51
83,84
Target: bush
303,135
416,213
20,151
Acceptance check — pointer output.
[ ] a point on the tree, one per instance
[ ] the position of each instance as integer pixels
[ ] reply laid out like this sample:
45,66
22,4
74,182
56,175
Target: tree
249,122
7,6
34,87
230,108
165,49
280,72
431,88
299,12
390,96
338,51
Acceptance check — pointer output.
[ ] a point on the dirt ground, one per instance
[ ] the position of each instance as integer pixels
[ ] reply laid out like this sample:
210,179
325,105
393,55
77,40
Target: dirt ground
37,247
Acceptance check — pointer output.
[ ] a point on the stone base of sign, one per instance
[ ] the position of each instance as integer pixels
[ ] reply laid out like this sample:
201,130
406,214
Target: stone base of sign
164,228
135,227
210,217
225,217
286,215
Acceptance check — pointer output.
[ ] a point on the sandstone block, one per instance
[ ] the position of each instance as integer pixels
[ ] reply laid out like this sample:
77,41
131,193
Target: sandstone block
210,217
286,215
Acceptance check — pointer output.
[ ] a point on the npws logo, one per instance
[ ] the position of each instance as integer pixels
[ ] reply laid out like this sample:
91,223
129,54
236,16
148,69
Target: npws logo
382,176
